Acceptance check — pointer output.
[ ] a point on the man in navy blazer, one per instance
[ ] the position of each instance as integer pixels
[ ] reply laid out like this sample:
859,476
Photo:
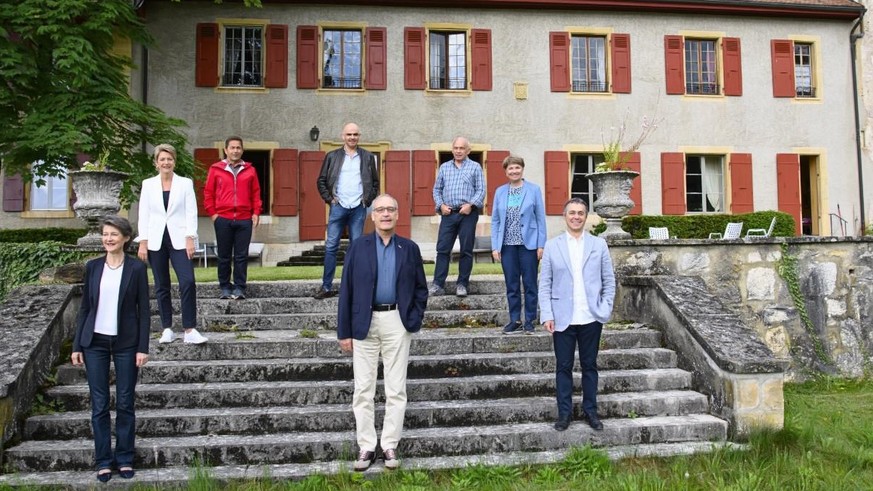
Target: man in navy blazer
576,292
382,299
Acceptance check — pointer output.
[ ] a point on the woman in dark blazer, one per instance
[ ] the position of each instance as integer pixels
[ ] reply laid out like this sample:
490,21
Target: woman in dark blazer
518,235
113,323
167,230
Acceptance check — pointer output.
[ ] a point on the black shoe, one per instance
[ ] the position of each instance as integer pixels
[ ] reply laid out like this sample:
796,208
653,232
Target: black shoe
594,421
238,294
225,294
562,423
127,473
529,328
321,294
513,327
365,460
104,477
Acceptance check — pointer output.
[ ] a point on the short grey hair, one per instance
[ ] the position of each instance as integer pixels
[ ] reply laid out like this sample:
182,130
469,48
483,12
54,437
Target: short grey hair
575,201
386,195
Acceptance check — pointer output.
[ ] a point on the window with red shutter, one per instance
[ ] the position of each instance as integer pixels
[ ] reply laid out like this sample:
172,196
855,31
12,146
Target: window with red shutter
621,63
782,65
276,75
557,186
788,186
733,67
672,183
424,168
742,196
559,59
636,193
413,58
494,175
206,59
481,59
204,158
312,221
307,57
13,193
285,175
377,71
674,63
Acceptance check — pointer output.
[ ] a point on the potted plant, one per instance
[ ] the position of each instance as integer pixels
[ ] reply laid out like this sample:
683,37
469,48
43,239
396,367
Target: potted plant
97,189
612,180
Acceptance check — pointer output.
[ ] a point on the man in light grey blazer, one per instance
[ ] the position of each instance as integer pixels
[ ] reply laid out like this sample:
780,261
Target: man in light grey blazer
576,291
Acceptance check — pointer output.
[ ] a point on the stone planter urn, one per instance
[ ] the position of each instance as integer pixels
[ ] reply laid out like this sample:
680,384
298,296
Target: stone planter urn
97,195
613,199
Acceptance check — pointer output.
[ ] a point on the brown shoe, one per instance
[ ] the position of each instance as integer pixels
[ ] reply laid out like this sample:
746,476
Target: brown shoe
321,294
391,460
365,459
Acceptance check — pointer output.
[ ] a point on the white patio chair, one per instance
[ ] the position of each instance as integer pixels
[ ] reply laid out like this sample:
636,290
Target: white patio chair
731,232
200,252
760,232
659,233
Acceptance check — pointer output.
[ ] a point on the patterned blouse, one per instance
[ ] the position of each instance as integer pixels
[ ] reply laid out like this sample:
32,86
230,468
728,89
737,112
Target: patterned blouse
512,233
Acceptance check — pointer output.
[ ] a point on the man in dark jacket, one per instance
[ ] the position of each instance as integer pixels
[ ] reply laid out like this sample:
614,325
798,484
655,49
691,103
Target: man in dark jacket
382,299
348,182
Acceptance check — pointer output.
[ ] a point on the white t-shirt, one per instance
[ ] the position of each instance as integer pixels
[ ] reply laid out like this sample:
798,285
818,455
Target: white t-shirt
106,321
581,312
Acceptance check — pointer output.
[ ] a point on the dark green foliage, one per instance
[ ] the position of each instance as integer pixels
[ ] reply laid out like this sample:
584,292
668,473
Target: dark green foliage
54,234
700,226
22,263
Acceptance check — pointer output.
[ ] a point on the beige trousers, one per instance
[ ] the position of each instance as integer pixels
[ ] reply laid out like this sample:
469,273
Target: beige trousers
389,338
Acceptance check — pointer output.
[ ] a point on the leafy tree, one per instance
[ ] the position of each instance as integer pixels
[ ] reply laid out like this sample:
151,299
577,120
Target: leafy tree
64,92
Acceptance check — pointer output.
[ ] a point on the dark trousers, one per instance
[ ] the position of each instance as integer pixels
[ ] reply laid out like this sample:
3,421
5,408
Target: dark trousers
520,267
233,238
160,262
587,337
340,218
97,358
455,226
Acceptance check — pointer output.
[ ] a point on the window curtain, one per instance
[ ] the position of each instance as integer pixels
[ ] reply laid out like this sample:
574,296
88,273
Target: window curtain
712,184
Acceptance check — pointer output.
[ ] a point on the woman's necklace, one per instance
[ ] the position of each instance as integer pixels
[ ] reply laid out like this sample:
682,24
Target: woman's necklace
114,267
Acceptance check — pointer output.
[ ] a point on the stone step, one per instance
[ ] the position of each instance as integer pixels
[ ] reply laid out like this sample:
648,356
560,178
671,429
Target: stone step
283,448
179,476
420,366
306,305
243,394
339,417
295,344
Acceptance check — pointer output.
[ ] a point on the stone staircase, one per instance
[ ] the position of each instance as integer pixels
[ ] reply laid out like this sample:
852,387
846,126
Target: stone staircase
270,393
315,256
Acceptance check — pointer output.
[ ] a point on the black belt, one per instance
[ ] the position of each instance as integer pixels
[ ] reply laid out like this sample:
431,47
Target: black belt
384,307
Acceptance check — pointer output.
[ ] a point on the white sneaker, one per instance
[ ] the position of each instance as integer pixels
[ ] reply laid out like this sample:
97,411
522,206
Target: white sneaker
194,337
166,336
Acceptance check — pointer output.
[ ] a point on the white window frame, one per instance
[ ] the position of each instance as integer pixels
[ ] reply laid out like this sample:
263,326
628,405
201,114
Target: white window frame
807,89
579,170
712,184
577,84
260,63
327,45
452,53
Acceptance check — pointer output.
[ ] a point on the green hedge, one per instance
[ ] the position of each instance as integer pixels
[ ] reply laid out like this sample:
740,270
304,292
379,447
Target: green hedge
22,263
54,234
700,226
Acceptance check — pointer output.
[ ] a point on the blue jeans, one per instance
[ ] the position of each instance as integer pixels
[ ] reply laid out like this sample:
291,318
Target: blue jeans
340,218
587,337
455,226
160,262
97,358
520,266
232,238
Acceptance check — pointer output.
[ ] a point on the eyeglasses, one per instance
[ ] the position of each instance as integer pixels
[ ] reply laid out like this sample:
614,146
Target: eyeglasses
353,134
383,209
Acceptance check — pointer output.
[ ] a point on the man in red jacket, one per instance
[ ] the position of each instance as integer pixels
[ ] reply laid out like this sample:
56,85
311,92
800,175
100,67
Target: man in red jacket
232,197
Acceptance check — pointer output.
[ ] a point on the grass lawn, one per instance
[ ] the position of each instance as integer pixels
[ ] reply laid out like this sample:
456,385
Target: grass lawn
827,444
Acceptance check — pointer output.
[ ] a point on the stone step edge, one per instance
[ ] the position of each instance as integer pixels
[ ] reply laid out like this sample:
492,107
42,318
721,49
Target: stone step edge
179,476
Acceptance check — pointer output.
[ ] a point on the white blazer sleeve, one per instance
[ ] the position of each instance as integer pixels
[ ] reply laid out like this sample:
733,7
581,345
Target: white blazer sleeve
190,209
143,214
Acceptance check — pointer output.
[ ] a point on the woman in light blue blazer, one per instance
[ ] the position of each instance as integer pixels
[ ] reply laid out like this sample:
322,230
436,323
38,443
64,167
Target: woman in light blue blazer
518,235
167,230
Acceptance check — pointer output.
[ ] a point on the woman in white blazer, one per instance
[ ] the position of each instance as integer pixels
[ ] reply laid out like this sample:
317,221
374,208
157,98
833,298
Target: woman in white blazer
167,230
518,235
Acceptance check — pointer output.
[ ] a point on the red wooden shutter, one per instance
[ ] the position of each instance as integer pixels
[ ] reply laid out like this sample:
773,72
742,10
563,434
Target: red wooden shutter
307,57
559,59
204,158
782,62
636,193
788,186
206,64
672,183
481,59
733,67
424,167
13,193
276,75
312,221
494,174
674,61
284,182
413,58
621,63
742,196
398,179
377,54
557,181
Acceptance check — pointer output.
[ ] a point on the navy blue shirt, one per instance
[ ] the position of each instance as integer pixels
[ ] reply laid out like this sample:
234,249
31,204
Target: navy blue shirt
386,272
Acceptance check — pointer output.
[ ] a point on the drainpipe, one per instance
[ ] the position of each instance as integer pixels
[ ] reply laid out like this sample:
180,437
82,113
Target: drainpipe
144,71
853,40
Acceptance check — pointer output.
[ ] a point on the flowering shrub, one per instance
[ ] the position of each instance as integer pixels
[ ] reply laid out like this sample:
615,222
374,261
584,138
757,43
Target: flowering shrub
615,154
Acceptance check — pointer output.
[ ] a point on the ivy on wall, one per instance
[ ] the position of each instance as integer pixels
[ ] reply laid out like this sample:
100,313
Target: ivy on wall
21,263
